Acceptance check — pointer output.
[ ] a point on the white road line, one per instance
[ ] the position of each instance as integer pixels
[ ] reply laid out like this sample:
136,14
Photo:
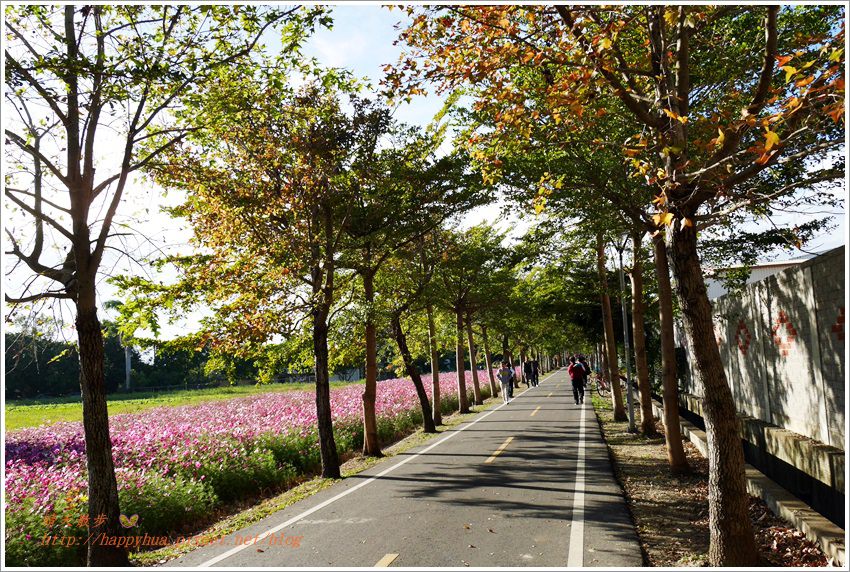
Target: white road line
386,560
575,557
321,505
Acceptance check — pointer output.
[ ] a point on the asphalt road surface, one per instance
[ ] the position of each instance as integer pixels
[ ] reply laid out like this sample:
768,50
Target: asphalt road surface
524,484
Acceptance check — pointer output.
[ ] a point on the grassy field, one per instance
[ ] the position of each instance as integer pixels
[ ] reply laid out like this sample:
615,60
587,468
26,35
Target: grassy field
32,413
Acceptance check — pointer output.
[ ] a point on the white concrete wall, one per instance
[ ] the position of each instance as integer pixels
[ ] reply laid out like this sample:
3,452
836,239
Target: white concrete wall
782,345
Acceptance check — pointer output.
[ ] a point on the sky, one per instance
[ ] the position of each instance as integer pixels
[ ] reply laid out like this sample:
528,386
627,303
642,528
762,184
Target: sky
362,41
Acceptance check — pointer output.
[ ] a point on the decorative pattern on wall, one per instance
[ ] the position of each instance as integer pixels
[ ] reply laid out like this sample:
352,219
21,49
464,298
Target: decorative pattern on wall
838,326
784,333
743,337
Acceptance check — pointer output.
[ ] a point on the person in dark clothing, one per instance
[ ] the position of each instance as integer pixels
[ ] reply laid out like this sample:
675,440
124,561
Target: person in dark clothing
583,361
527,369
535,373
577,376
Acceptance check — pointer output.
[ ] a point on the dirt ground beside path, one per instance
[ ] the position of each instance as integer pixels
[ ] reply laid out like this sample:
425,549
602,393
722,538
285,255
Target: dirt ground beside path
671,512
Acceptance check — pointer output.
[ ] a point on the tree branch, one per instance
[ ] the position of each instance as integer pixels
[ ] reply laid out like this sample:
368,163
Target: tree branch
35,153
630,102
34,297
39,216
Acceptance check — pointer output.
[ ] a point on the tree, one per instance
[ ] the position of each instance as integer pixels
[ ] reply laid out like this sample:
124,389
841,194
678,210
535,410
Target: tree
715,126
467,257
647,419
402,192
407,274
71,74
273,179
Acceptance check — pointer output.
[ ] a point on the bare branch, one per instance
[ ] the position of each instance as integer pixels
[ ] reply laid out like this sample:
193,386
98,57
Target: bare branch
35,265
35,153
45,201
718,216
35,297
40,216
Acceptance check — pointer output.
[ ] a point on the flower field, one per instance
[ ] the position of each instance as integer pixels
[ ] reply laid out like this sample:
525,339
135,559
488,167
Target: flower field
175,465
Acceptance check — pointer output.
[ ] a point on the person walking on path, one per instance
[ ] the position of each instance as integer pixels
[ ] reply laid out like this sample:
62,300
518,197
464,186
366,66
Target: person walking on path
505,376
528,370
535,373
583,361
577,376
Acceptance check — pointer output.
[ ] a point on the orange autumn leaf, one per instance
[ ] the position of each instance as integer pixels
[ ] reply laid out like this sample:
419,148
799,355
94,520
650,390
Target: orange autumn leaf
765,157
782,60
805,81
837,112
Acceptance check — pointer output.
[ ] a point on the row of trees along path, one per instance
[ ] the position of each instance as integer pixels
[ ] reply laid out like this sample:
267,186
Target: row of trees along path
690,133
310,200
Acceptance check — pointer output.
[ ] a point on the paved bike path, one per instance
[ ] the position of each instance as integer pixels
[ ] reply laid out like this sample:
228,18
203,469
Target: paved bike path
523,484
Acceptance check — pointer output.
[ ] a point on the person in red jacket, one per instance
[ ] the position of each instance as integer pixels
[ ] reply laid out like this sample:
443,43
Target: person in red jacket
577,376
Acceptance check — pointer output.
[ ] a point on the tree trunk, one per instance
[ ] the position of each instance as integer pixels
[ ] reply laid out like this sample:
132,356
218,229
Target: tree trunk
732,541
647,419
473,361
327,443
413,372
670,388
488,362
463,402
435,367
610,340
102,485
371,445
322,279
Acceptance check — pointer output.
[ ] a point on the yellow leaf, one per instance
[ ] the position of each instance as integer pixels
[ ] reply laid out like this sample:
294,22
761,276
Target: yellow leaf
605,44
687,222
789,72
663,219
676,116
721,137
836,55
660,200
771,139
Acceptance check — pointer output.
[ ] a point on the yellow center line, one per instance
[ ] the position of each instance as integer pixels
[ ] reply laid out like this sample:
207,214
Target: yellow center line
386,560
533,413
498,451
550,394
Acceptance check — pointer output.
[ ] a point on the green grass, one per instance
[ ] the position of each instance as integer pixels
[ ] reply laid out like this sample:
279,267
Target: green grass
32,413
